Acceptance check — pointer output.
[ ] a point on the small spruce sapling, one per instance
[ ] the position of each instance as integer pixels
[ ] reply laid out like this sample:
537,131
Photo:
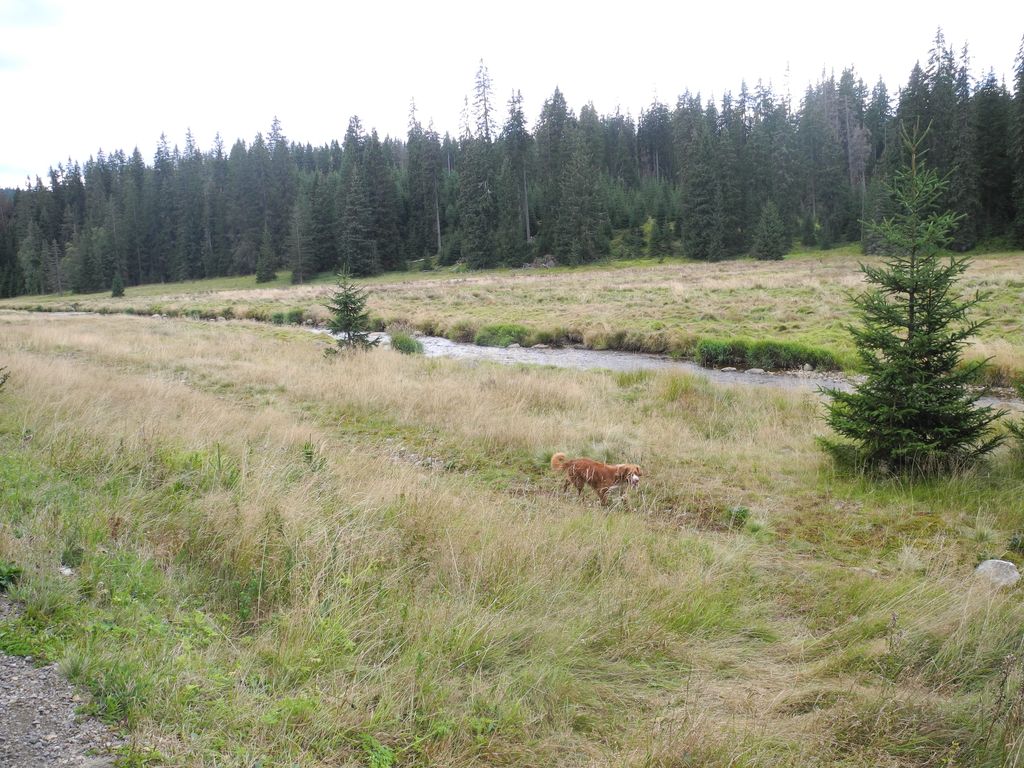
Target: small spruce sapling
350,322
916,409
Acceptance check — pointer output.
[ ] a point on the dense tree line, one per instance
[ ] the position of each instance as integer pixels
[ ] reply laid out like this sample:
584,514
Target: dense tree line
704,178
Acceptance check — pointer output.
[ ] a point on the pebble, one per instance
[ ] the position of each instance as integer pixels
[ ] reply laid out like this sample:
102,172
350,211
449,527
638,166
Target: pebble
39,726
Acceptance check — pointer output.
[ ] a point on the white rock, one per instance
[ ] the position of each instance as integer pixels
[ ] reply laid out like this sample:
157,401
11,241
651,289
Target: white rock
728,369
513,345
808,367
755,370
540,346
65,571
1000,573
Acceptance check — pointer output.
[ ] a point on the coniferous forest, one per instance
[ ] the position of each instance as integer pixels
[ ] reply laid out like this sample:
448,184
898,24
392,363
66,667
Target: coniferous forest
700,178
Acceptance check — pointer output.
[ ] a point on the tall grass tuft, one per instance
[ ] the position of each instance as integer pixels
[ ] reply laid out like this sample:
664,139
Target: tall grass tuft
769,355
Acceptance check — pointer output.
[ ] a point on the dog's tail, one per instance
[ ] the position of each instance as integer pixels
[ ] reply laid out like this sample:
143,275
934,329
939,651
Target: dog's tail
558,461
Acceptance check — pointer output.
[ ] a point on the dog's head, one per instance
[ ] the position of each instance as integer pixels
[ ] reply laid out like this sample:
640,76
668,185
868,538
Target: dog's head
630,473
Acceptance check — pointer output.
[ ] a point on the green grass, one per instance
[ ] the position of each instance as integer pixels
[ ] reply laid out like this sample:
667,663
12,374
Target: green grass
501,335
406,343
768,355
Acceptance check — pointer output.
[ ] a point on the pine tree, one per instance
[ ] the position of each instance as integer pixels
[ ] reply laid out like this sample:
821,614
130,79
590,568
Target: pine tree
350,322
915,410
265,262
770,241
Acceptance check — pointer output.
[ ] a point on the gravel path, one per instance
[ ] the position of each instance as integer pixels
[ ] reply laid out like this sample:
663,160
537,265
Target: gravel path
38,724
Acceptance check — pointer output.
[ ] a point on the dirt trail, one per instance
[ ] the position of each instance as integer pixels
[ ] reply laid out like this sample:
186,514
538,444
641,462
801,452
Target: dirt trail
39,726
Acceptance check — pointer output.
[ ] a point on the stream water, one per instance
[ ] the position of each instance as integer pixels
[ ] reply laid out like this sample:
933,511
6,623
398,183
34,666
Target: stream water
595,359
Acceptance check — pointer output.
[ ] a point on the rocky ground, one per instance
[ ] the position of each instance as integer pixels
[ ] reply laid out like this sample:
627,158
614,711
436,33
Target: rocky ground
39,723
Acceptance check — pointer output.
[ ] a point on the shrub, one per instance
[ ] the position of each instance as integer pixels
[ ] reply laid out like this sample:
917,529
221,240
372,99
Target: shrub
294,316
501,335
406,344
277,318
463,331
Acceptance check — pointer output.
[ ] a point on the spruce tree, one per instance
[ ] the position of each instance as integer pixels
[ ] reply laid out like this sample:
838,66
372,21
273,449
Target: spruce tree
583,232
356,246
350,322
915,410
301,259
117,286
770,241
265,271
1017,146
701,215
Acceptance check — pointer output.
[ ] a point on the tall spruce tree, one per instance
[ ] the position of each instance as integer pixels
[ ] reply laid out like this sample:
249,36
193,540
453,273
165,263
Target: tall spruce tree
915,411
356,246
266,262
117,286
300,251
583,232
1017,146
701,216
770,241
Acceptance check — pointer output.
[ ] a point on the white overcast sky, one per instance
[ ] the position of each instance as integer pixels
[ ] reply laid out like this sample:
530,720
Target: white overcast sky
80,75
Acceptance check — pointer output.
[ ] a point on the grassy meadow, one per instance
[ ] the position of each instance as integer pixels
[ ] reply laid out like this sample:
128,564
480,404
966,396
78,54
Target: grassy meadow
283,559
631,305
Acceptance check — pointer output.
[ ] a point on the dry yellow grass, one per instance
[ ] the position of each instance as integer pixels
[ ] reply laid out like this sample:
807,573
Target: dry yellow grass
425,591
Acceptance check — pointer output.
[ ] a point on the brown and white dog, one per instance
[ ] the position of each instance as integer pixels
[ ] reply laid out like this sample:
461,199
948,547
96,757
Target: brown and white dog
598,475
